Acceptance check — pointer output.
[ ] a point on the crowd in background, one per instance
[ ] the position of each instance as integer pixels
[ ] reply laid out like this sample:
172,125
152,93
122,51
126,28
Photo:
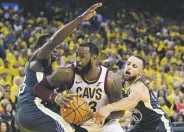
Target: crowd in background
158,39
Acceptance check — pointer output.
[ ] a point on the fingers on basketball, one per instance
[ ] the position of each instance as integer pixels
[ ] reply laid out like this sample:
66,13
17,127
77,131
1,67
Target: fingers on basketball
77,112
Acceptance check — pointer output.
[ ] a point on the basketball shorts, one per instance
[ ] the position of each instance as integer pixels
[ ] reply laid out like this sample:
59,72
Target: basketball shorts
34,117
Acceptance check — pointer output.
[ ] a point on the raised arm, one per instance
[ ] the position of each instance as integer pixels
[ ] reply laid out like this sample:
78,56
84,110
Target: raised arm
42,56
114,92
62,33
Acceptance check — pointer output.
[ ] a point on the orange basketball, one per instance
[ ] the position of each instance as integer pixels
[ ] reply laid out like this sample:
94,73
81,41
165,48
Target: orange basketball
76,112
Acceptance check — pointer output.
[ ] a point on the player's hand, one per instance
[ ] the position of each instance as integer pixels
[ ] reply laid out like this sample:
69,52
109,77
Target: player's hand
101,114
64,100
86,118
90,12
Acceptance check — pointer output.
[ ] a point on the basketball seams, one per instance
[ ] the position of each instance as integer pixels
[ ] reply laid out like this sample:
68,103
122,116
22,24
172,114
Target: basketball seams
76,110
83,109
74,117
70,112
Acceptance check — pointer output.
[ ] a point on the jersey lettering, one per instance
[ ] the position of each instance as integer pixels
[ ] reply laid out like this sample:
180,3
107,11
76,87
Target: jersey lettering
89,93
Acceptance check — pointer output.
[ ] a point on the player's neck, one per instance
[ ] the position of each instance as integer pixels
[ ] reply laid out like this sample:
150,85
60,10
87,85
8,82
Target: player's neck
93,74
129,83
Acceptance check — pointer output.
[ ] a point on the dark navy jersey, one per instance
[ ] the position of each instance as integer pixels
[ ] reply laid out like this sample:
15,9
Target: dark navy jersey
148,114
30,80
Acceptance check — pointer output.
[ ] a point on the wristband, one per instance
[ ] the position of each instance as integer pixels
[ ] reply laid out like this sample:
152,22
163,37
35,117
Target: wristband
110,107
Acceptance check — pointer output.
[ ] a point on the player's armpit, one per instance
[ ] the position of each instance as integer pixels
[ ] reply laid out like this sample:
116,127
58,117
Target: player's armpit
63,77
132,100
114,92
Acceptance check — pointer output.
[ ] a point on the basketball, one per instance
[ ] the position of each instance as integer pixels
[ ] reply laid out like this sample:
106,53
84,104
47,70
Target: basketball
76,112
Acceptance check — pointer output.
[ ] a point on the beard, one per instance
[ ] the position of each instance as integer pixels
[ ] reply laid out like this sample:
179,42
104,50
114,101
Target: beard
85,70
130,78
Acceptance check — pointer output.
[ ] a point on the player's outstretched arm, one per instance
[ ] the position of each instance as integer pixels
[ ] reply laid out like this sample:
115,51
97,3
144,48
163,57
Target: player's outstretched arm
62,33
62,78
124,104
132,100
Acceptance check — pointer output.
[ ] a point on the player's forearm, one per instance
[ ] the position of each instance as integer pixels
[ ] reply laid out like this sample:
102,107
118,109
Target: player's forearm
58,37
44,93
123,104
115,115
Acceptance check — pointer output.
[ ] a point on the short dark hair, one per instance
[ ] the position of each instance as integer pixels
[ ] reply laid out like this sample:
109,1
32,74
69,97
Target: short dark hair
93,49
142,59
42,40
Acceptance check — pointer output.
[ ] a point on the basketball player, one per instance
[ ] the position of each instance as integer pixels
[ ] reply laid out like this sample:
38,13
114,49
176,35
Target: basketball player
94,83
31,115
141,102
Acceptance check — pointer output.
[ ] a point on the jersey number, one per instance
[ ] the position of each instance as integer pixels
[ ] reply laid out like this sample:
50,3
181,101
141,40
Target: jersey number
93,105
21,90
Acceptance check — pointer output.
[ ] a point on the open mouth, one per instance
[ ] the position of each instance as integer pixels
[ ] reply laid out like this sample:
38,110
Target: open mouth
127,72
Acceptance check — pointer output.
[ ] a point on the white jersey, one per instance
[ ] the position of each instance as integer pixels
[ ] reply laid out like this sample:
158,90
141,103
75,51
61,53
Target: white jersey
93,93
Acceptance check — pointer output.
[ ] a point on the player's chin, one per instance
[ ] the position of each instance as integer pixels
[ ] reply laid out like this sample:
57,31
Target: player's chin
127,78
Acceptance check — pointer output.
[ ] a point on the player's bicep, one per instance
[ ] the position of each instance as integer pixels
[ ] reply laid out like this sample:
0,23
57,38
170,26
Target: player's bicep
114,87
136,93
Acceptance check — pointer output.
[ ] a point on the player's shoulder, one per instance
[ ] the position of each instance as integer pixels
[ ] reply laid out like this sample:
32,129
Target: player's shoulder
138,86
64,71
113,80
111,76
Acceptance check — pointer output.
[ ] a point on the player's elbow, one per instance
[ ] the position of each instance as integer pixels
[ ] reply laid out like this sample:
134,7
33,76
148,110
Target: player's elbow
133,103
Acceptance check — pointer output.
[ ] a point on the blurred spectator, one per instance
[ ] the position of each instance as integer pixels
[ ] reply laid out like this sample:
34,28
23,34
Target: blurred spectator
5,127
180,118
9,113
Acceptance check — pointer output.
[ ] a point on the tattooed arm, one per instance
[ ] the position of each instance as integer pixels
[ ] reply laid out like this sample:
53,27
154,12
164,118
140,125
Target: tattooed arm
62,78
114,92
